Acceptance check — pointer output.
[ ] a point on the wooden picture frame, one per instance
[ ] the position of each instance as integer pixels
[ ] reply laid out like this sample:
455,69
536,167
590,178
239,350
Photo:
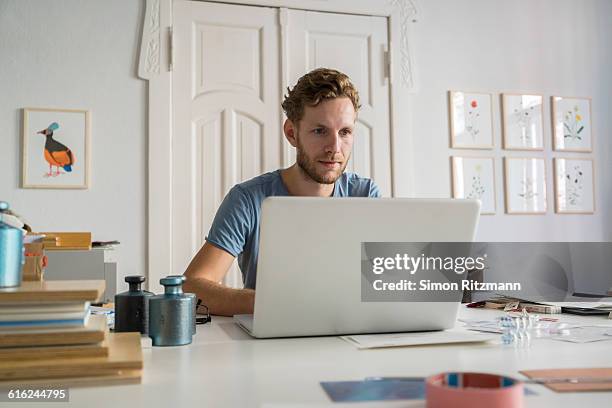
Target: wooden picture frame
574,193
572,124
523,121
474,177
471,120
525,185
56,148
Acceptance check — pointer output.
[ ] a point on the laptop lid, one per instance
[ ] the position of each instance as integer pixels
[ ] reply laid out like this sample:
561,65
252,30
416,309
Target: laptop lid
308,271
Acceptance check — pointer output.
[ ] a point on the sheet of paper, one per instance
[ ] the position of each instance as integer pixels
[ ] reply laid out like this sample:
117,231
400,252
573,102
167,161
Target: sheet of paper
586,334
375,390
331,404
379,389
580,373
486,326
367,341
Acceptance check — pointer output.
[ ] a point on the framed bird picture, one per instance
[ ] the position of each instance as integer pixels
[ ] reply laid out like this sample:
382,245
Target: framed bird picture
55,146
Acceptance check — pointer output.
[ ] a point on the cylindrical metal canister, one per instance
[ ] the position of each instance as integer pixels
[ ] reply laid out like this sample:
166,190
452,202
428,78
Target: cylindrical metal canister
132,307
11,253
171,315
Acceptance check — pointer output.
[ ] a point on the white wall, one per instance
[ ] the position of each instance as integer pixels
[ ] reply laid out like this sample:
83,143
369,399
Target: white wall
552,47
83,54
79,54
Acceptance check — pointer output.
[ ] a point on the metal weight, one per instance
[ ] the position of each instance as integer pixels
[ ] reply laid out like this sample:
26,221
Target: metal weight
132,307
172,314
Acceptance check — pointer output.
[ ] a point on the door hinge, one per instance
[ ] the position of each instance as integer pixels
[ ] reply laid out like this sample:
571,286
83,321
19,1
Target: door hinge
170,49
387,66
283,16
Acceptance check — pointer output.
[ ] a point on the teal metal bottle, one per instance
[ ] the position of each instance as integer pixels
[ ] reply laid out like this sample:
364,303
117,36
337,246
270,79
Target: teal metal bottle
171,314
11,253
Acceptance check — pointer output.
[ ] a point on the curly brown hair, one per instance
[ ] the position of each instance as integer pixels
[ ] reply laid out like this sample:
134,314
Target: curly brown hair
315,87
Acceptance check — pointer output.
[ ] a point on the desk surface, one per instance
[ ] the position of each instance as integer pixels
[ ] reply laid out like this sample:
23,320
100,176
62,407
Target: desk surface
224,367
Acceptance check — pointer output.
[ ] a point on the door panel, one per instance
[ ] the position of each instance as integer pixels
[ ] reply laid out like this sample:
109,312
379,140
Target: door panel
226,111
218,47
356,46
361,158
226,102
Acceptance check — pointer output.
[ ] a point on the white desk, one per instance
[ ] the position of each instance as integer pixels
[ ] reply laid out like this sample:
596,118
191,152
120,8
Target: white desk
224,367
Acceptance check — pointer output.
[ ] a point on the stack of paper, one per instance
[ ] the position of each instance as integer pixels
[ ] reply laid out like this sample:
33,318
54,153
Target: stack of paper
55,343
17,315
122,363
47,335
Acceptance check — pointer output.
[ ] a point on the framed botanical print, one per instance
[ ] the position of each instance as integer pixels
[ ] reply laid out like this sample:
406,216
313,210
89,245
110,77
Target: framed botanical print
572,124
474,177
55,145
525,185
471,120
574,186
523,122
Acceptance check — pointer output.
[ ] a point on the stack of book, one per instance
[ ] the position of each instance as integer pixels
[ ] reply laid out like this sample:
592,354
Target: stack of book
48,336
66,240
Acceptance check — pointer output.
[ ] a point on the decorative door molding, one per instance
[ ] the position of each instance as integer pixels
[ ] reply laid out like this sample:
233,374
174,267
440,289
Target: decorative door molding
155,49
148,65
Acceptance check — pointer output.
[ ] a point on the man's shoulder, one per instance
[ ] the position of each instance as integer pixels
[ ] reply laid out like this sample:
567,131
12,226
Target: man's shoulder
354,185
265,184
355,178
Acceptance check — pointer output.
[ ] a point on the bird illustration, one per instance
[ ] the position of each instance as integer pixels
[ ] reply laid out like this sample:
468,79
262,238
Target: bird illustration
56,153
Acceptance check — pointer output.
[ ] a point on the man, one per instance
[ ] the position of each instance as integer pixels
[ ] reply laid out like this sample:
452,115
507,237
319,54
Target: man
321,111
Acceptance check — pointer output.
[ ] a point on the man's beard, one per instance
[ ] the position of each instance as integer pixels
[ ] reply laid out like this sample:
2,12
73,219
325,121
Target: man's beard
309,167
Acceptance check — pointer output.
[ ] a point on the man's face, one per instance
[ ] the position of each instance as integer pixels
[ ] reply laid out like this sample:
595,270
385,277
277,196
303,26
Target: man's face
324,139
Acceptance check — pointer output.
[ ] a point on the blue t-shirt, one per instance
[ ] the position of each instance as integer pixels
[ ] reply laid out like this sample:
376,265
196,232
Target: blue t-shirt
235,228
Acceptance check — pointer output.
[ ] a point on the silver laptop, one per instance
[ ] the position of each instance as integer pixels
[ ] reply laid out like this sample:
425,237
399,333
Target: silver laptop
309,266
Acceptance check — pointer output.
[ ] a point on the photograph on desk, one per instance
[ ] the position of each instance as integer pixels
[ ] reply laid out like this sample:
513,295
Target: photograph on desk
306,203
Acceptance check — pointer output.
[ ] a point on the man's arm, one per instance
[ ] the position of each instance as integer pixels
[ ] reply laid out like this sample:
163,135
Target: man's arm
204,272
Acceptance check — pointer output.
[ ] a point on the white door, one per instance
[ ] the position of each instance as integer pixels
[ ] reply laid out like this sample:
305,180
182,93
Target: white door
226,112
355,45
227,90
